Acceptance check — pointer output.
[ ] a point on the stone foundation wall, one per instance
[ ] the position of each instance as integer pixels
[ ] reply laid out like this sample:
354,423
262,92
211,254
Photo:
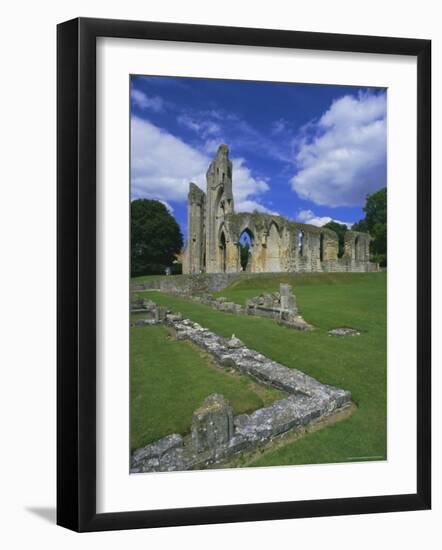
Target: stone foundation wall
217,435
189,284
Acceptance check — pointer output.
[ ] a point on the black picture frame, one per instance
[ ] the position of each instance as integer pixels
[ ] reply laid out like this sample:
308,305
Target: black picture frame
76,274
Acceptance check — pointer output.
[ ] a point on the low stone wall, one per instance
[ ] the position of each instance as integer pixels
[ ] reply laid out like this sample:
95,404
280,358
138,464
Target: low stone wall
190,284
214,282
345,265
216,433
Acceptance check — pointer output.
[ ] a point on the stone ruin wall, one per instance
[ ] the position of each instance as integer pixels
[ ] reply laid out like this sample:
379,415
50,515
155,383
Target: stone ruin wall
277,244
216,434
278,306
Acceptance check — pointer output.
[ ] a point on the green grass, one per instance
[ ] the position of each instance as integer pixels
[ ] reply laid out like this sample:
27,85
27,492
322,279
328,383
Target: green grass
356,363
169,379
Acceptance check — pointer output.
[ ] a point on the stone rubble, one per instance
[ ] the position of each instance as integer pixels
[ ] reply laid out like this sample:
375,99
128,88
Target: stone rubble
343,331
216,434
278,306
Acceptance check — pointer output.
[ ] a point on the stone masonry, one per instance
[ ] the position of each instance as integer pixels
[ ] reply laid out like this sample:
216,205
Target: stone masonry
278,306
277,244
216,434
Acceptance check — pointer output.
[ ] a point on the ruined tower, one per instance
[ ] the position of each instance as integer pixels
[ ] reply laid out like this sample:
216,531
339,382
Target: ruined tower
219,199
196,244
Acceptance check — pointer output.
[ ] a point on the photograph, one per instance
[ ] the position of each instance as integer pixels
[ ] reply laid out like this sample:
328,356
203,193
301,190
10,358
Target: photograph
258,273
225,215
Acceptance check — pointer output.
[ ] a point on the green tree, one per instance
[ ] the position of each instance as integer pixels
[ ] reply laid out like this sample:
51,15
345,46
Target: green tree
155,237
360,226
375,223
244,254
340,229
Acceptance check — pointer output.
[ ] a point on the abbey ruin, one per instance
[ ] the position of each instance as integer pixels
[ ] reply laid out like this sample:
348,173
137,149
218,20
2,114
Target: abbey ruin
276,243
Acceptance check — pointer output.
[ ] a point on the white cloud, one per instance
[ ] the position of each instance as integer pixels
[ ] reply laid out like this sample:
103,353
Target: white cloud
143,101
251,206
213,127
346,157
204,128
211,145
278,126
168,206
162,166
244,184
308,216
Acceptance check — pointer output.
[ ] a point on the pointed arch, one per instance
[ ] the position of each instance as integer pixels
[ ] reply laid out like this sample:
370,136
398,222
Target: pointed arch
356,248
222,251
245,246
274,223
300,237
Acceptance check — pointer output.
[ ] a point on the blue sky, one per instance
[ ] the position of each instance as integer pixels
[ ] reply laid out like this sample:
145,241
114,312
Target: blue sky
304,151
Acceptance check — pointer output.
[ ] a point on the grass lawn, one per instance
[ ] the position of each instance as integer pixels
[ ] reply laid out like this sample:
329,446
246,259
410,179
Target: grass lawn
169,379
355,363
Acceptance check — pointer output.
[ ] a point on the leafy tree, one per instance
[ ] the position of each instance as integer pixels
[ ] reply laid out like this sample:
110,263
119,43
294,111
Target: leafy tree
177,268
340,229
360,226
375,223
155,237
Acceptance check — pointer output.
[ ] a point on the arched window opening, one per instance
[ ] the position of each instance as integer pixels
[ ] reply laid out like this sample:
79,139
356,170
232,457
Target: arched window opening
222,246
301,243
321,247
357,248
245,248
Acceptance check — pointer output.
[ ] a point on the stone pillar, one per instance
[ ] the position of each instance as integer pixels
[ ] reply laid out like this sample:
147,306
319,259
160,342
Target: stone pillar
288,301
160,314
349,245
212,423
196,200
219,202
330,246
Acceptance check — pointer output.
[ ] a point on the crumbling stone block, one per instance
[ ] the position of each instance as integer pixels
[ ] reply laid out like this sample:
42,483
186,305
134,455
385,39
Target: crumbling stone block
160,314
172,317
280,306
234,343
156,450
344,331
212,423
287,299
